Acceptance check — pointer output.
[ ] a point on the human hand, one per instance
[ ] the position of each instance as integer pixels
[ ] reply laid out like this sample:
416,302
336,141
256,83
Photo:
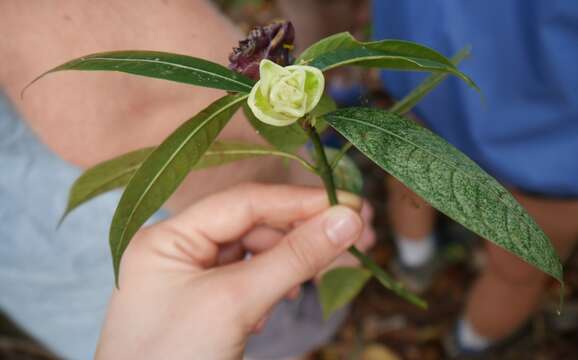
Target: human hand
264,237
177,302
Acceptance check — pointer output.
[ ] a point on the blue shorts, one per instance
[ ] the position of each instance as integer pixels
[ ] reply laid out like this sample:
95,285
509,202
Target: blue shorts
524,52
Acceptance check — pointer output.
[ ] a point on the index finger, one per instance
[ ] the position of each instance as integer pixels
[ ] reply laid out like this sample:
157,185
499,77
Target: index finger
226,216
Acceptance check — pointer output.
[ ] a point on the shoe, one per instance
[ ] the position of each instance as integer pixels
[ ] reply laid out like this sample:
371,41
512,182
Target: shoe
417,279
456,351
453,243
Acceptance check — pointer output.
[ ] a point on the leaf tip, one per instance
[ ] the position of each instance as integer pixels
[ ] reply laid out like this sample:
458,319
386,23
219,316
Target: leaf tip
561,295
422,304
23,91
471,83
62,218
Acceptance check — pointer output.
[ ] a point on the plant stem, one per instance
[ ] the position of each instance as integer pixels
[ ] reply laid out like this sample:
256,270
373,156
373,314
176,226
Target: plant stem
344,149
325,171
386,280
431,82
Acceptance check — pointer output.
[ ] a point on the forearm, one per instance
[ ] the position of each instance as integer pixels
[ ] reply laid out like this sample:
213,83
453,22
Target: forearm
89,117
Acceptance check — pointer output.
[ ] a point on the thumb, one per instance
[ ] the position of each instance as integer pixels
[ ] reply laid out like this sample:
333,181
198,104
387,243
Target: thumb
298,257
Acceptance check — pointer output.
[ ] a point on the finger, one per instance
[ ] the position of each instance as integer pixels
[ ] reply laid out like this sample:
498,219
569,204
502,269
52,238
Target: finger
345,260
262,238
363,244
367,212
367,239
297,258
228,215
294,293
262,322
230,253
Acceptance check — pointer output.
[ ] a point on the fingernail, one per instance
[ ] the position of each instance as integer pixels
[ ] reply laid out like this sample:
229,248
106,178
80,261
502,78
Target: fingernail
342,226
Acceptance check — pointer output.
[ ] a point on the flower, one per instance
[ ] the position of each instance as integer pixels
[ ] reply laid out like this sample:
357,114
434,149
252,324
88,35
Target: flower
285,94
273,42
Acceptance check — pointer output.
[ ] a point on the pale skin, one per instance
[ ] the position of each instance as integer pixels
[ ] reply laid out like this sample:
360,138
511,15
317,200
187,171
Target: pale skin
208,307
88,117
508,290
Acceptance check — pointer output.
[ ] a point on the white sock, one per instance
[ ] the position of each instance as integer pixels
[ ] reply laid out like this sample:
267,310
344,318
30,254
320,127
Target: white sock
469,339
415,252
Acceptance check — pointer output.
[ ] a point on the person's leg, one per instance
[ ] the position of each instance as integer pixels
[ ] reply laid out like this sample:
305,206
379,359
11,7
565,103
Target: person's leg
509,290
412,221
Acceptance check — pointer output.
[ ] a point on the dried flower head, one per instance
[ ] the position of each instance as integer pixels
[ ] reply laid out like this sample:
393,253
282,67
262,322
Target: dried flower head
273,42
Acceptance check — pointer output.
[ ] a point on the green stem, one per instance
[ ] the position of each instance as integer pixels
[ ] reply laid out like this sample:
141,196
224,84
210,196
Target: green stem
431,82
344,149
386,280
325,171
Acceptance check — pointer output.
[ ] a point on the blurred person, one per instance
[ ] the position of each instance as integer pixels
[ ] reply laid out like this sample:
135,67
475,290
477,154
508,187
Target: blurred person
525,134
55,285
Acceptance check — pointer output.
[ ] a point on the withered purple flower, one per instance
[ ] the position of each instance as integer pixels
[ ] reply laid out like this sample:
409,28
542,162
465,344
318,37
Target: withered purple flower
273,42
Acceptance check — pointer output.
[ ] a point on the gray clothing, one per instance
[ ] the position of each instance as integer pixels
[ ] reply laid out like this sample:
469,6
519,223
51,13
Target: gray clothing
55,284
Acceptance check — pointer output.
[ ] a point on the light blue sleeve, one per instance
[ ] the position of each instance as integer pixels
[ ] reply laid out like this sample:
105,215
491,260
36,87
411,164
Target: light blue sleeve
55,284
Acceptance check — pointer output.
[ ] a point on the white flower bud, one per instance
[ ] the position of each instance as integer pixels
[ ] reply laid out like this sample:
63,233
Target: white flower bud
285,94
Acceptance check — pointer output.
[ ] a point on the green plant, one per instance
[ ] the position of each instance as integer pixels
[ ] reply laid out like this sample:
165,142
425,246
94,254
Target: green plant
288,107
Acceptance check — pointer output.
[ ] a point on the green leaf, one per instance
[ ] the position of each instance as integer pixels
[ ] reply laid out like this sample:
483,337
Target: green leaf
325,105
386,59
343,40
286,138
106,176
221,153
339,286
164,169
345,174
346,41
425,87
448,180
343,49
408,49
116,173
160,65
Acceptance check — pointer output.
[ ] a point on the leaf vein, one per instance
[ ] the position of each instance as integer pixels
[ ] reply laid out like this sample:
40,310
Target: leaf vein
118,248
160,62
496,193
